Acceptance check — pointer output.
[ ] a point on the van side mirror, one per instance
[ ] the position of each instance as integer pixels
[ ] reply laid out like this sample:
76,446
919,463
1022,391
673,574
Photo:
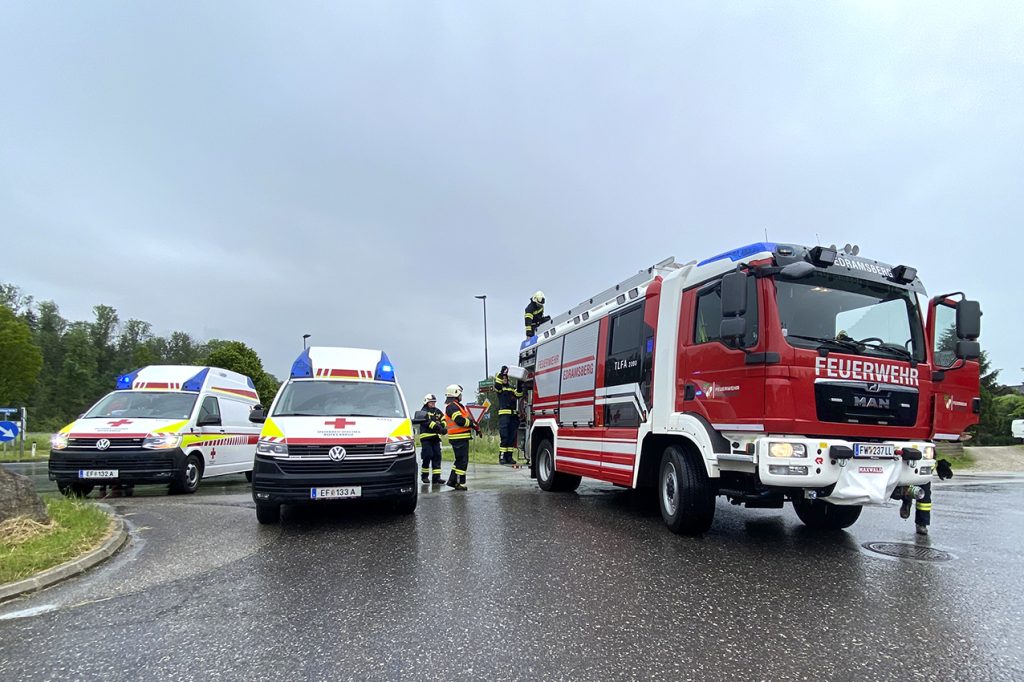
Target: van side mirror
968,320
734,294
256,415
419,417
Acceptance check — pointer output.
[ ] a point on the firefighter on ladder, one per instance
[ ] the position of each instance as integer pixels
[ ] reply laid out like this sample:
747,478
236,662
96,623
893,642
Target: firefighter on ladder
508,416
534,315
460,426
431,431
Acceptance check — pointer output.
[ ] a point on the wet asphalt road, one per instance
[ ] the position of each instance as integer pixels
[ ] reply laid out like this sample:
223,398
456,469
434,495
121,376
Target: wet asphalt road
508,582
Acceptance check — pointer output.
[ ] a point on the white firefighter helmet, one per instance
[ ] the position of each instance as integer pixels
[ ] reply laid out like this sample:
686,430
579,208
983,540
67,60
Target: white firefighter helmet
453,391
429,398
538,298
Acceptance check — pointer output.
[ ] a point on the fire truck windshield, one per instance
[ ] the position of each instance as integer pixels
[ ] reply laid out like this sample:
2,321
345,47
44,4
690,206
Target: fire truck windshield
850,315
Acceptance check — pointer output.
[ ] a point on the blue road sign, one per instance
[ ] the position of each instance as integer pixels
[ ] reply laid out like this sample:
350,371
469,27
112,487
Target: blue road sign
8,431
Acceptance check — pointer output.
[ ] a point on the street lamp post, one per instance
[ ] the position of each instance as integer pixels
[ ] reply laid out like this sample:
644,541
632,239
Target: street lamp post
304,338
487,366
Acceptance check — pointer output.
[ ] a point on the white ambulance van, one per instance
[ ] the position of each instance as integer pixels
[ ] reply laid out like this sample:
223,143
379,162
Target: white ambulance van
339,428
172,424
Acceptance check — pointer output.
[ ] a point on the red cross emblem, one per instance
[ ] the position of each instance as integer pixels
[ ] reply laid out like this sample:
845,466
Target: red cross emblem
120,422
339,423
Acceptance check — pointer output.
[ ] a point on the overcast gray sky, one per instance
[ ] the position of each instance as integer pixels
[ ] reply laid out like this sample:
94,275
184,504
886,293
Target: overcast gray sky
358,171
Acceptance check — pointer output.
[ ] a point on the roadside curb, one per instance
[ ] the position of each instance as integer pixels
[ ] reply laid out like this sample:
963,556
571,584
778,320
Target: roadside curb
69,569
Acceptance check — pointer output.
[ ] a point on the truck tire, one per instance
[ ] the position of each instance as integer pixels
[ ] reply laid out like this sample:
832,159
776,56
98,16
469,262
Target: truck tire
187,480
74,488
685,494
267,513
821,515
547,478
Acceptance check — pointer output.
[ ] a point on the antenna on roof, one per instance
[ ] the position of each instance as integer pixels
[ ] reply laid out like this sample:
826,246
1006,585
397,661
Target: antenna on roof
766,234
817,238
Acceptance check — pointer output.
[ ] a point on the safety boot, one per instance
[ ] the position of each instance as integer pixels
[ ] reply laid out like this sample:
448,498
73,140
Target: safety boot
424,478
453,479
437,480
922,529
905,508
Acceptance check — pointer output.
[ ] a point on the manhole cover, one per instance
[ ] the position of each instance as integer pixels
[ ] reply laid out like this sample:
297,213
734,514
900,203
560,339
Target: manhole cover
903,550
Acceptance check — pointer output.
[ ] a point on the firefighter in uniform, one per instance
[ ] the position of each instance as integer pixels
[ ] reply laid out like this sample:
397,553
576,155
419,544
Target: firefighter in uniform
431,431
460,427
923,497
534,315
508,416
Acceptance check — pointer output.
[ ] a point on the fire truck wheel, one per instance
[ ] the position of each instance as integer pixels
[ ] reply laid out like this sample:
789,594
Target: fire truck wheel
547,478
685,493
822,515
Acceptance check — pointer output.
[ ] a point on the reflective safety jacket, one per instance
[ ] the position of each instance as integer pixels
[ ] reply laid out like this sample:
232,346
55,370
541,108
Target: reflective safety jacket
507,396
433,427
457,419
534,317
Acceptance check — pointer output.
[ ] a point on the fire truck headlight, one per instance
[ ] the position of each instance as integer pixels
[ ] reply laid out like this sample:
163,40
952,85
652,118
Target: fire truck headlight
787,450
929,452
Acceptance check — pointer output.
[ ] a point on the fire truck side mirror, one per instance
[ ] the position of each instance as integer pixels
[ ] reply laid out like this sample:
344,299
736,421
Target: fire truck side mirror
968,350
968,320
420,417
732,330
734,294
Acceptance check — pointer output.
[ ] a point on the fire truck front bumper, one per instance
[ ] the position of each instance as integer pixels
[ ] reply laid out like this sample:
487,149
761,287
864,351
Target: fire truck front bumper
844,472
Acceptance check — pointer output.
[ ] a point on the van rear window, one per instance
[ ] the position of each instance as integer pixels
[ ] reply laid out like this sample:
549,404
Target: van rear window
339,399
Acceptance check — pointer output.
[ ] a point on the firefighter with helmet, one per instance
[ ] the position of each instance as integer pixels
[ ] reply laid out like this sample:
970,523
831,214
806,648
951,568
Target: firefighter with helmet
534,315
431,431
460,425
508,415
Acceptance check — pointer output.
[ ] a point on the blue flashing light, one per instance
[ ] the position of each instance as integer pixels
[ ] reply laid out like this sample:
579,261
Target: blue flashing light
741,253
385,370
195,384
302,368
126,381
527,343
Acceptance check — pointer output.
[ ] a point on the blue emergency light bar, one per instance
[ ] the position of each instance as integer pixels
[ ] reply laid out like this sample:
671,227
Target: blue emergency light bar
385,370
126,381
302,368
741,253
195,384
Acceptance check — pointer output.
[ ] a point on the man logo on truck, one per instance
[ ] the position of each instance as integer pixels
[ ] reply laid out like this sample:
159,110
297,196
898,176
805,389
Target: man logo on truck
337,453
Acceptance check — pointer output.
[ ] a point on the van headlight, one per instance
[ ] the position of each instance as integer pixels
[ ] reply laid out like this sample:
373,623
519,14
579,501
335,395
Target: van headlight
58,441
166,442
265,447
787,449
400,448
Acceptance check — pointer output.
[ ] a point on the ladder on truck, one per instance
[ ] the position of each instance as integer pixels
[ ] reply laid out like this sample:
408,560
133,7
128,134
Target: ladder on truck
610,295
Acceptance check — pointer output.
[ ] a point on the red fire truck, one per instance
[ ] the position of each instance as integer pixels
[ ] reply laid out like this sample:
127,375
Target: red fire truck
767,373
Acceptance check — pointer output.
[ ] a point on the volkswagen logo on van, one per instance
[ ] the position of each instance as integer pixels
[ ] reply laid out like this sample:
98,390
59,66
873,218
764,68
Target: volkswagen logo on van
337,453
102,444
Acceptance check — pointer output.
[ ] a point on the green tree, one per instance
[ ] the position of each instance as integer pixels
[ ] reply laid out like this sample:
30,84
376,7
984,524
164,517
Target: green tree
103,331
22,359
78,384
132,351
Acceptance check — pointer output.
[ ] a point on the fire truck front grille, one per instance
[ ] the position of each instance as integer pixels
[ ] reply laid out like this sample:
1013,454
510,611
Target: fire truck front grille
854,402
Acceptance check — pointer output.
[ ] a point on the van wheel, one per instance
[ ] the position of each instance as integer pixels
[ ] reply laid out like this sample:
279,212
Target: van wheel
248,476
406,505
821,515
547,478
187,482
685,493
267,513
74,488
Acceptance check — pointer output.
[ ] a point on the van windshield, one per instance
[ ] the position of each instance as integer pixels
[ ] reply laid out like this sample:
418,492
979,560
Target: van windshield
144,405
339,399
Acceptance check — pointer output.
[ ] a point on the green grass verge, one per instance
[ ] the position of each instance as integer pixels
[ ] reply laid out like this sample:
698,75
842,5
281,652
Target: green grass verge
77,527
12,453
957,461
